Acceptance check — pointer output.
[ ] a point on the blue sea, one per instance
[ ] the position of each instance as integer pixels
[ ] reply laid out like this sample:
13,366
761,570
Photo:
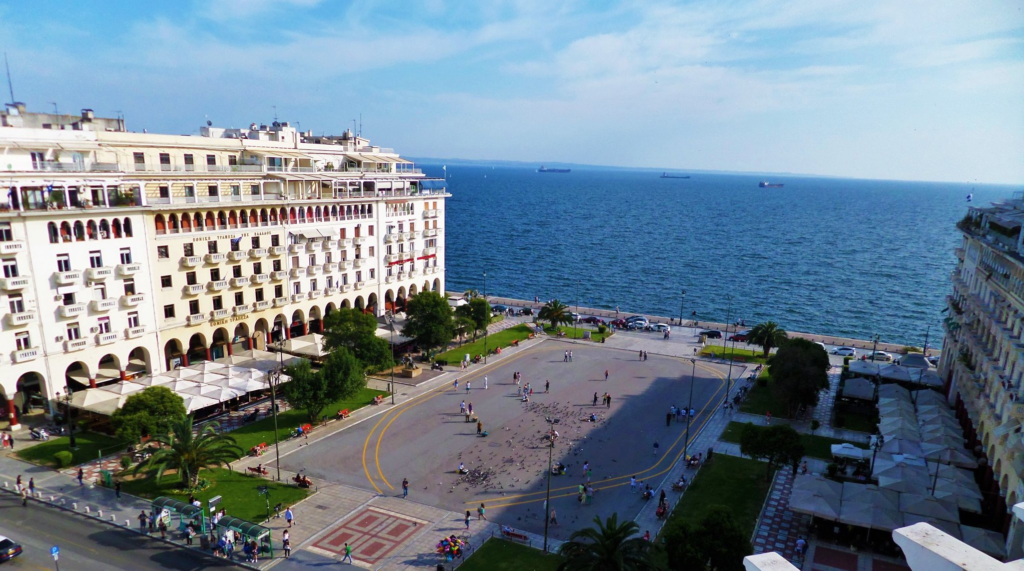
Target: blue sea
824,255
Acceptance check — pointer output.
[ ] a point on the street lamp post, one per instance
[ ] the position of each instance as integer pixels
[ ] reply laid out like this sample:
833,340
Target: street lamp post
576,322
547,500
689,417
275,379
70,422
728,316
486,325
391,321
681,300
875,349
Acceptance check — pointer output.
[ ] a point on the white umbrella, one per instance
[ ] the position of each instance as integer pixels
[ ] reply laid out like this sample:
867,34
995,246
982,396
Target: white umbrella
870,494
908,433
953,474
858,388
984,540
847,450
870,516
194,403
894,392
939,420
928,396
154,380
903,478
964,503
902,446
864,368
827,507
929,506
181,373
207,367
895,373
954,455
817,484
122,388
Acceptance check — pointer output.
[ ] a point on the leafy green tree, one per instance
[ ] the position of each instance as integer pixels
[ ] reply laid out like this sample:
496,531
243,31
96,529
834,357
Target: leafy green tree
148,412
777,445
429,321
799,371
357,332
768,335
190,452
713,543
462,325
480,313
312,391
556,312
608,546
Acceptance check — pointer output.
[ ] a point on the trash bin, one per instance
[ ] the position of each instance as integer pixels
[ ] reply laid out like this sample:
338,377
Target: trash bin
204,542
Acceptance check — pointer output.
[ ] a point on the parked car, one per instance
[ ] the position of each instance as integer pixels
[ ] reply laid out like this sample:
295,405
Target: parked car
499,308
635,325
845,351
879,356
593,320
661,327
742,336
711,333
526,311
620,323
934,360
8,549
635,318
575,316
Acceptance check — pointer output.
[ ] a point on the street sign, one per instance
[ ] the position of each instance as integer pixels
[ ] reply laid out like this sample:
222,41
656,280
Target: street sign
262,489
212,503
55,552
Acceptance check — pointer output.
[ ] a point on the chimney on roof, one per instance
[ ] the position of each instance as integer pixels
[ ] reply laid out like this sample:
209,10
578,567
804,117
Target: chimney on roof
87,115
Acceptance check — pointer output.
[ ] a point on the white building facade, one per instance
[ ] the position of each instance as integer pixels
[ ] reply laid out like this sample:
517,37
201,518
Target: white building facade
132,253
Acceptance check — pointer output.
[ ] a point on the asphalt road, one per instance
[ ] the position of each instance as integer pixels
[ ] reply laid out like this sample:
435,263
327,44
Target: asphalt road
86,545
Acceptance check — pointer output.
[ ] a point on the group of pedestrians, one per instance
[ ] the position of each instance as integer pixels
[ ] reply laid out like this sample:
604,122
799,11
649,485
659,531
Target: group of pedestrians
680,414
6,440
568,357
643,356
606,399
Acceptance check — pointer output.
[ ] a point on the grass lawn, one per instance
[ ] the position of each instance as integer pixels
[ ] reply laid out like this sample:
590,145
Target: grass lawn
239,491
859,422
814,446
500,339
761,399
737,353
252,434
736,483
501,555
90,446
577,332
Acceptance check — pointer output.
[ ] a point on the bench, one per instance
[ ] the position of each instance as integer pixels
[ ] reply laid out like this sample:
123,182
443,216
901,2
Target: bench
343,414
515,535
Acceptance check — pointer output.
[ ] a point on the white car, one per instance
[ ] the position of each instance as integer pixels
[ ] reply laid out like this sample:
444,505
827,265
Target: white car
879,356
661,327
845,351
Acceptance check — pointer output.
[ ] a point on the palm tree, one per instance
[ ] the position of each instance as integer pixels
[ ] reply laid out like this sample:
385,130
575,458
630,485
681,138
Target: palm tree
556,312
768,335
610,546
189,452
470,294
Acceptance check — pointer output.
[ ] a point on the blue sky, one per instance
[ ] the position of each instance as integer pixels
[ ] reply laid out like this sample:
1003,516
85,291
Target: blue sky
917,90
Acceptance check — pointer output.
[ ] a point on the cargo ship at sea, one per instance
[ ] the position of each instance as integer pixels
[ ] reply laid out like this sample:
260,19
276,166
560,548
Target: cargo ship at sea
546,169
666,175
766,184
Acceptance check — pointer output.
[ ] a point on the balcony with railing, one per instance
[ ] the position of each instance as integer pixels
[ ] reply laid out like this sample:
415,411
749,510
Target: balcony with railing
237,255
297,297
278,276
197,318
280,301
330,291
106,338
242,309
75,345
239,282
98,274
217,285
133,300
15,283
193,289
25,355
134,332
359,262
257,252
313,270
260,278
261,305
314,294
71,310
103,305
11,246
191,261
128,270
277,250
330,267
19,319
219,313
345,288
214,258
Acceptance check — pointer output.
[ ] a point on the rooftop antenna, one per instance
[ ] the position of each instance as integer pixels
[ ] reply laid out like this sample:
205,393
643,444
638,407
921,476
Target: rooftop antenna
360,125
10,86
275,112
55,112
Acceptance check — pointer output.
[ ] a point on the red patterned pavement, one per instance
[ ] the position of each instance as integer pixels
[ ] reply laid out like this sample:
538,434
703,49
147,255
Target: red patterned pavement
373,534
779,528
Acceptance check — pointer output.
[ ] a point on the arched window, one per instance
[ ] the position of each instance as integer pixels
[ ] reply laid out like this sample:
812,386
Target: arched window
211,221
369,210
79,231
51,230
65,231
128,227
273,217
172,223
233,219
302,215
309,214
161,226
222,220
186,223
197,221
117,228
90,230
291,216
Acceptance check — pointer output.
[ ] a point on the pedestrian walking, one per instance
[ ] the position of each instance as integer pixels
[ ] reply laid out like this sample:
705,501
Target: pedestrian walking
485,383
10,441
152,521
81,477
595,399
467,387
17,484
163,529
480,512
606,374
405,487
554,517
566,358
668,419
662,500
32,486
289,516
632,484
470,408
768,417
479,427
142,521
456,384
655,447
570,356
547,386
286,541
693,413
348,554
608,399
467,519
641,355
462,407
117,489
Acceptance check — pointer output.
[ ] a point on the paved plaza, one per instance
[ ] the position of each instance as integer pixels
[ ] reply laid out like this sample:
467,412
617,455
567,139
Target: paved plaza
425,440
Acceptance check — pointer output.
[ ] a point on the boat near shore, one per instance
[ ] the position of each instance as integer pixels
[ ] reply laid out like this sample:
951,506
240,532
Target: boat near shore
766,184
546,169
666,175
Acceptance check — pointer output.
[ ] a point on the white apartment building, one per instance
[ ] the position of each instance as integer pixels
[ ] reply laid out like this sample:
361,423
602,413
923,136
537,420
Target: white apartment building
983,352
132,253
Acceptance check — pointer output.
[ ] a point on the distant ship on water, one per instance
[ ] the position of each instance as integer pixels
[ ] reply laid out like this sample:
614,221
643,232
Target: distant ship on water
546,169
666,175
766,184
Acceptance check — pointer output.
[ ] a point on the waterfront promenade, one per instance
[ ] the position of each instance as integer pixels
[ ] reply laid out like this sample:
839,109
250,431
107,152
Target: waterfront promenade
863,344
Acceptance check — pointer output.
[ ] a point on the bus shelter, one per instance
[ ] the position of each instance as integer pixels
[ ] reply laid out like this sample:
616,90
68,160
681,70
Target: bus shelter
187,513
248,531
